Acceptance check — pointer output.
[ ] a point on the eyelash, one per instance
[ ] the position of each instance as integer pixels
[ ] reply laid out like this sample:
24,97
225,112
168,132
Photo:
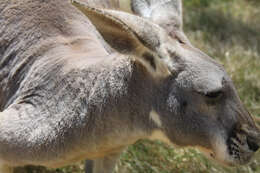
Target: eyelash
214,95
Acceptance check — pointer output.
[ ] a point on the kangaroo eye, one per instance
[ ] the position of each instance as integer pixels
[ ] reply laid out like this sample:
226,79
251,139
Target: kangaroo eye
214,94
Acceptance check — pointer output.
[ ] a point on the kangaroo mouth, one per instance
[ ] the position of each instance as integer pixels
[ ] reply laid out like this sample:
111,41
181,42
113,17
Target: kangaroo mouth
240,148
235,149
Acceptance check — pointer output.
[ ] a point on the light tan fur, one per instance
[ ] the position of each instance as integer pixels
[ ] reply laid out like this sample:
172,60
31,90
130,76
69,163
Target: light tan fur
156,118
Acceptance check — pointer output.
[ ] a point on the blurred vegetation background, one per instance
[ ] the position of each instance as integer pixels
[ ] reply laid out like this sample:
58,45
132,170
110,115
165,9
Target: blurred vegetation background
228,31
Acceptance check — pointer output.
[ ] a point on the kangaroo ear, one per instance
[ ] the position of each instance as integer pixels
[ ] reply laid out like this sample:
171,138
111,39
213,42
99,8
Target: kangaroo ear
167,14
129,34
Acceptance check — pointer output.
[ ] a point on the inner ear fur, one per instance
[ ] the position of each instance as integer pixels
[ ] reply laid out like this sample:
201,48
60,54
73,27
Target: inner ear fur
128,34
114,31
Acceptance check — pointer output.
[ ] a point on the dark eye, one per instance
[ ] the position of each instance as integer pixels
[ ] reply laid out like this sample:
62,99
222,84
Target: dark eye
214,94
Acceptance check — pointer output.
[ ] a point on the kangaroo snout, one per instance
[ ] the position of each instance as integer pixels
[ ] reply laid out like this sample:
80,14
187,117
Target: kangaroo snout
242,144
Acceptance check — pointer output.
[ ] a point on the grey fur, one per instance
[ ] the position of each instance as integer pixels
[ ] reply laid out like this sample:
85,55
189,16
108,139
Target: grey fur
66,95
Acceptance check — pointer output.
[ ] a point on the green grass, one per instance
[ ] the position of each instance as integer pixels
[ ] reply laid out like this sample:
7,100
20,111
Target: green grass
229,31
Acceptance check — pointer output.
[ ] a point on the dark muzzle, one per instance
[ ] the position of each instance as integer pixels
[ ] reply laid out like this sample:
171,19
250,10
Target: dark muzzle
252,144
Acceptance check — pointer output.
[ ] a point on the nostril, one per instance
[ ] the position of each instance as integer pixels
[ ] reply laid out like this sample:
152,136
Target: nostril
252,145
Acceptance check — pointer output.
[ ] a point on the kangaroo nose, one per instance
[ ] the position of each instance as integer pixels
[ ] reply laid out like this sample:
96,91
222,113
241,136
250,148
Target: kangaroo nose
252,145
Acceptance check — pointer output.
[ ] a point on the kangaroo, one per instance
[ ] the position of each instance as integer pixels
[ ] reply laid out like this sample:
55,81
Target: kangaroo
79,82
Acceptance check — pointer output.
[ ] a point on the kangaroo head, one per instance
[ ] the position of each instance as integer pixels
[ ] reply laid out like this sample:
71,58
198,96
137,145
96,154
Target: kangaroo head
195,102
200,107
